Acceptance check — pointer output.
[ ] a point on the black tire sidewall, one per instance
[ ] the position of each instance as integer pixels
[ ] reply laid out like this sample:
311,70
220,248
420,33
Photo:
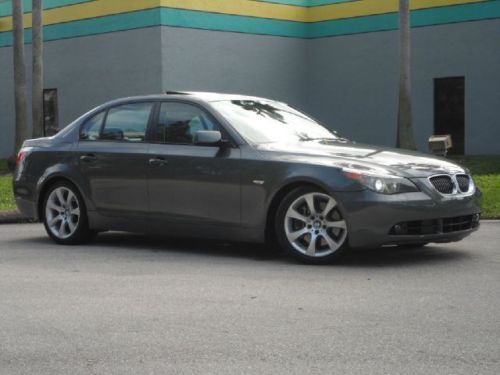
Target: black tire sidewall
281,235
82,232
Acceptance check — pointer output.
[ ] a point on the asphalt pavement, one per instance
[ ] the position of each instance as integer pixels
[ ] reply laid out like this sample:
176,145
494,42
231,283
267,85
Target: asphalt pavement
130,304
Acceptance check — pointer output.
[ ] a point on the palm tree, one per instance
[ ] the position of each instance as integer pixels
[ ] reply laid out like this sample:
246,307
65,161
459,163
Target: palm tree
37,55
19,73
405,138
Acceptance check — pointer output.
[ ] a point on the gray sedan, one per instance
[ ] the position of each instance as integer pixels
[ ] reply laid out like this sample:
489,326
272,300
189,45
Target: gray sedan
237,168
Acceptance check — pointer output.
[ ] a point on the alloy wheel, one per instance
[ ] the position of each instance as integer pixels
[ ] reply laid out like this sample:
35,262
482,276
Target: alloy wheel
314,225
62,212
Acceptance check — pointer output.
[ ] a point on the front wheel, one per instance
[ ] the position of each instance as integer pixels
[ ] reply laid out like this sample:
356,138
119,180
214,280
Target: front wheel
65,216
311,227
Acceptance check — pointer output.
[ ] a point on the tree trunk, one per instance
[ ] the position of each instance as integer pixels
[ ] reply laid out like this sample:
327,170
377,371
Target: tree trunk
405,138
19,73
37,50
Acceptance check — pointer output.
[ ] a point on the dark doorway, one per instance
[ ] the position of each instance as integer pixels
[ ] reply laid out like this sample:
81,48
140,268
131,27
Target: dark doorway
50,112
449,111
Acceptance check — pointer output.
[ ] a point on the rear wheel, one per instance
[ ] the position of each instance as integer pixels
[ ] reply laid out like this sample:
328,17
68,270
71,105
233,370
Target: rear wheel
65,216
311,227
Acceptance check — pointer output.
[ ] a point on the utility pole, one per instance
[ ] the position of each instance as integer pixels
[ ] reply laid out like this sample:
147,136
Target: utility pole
37,56
405,137
19,73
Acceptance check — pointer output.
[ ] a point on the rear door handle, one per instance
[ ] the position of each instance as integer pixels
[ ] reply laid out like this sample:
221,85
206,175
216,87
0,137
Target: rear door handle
159,161
89,158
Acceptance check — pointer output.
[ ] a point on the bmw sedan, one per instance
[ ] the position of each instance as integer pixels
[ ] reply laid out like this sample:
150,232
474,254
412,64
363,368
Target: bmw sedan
239,168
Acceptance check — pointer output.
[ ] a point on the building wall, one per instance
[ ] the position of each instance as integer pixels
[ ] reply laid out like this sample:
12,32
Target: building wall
201,60
352,82
87,71
338,59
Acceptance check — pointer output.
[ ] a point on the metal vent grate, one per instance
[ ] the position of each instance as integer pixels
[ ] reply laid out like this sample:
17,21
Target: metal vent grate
463,182
458,223
443,184
435,226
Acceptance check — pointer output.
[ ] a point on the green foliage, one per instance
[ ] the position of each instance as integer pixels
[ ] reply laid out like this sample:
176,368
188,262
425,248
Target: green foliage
3,166
7,201
481,164
490,186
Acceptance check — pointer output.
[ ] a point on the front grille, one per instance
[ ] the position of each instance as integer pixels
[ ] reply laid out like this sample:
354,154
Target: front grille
416,227
443,184
463,182
435,226
455,224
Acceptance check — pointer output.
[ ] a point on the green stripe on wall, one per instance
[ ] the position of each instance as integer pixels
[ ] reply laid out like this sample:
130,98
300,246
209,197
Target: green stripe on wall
6,8
254,25
100,25
166,17
419,18
224,22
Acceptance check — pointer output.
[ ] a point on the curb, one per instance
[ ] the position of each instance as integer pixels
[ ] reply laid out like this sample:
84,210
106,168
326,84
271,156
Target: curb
13,217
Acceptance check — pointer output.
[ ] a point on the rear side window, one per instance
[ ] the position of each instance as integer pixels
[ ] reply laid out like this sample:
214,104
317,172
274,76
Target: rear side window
127,122
179,122
92,128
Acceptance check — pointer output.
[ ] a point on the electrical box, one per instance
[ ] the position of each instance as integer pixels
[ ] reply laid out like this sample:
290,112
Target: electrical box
440,144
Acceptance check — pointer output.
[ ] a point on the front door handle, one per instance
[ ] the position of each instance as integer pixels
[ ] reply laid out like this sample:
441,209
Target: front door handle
89,158
158,161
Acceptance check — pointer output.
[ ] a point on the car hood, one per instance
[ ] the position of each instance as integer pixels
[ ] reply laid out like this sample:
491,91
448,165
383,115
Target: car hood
373,159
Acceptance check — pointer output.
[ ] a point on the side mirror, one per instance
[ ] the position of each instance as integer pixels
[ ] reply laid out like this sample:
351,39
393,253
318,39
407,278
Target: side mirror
208,138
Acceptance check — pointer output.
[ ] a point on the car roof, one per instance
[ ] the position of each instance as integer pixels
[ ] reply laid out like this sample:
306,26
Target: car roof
192,95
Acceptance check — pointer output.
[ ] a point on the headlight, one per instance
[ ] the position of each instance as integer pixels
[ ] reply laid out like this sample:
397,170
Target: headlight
385,184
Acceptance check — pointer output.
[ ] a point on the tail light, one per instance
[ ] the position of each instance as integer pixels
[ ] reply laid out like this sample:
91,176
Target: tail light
21,159
21,156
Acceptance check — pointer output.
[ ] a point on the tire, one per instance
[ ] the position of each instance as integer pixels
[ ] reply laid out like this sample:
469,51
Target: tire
65,215
297,224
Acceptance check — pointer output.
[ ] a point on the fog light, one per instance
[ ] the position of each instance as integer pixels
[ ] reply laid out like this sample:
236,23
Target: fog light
476,218
398,229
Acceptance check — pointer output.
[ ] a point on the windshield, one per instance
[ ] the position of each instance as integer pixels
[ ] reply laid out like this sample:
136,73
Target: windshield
266,121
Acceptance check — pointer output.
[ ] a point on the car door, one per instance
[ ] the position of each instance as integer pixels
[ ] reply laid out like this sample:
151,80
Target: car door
190,183
113,157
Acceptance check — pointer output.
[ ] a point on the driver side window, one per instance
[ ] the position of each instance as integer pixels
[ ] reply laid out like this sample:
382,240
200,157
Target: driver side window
179,122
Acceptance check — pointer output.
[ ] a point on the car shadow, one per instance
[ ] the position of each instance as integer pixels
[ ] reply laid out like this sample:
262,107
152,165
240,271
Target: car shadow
390,256
187,246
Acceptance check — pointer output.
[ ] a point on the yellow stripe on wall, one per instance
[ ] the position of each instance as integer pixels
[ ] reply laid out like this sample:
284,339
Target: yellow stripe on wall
76,12
99,8
242,8
372,7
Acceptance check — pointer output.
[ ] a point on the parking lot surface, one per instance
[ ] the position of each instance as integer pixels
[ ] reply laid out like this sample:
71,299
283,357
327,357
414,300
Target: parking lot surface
131,304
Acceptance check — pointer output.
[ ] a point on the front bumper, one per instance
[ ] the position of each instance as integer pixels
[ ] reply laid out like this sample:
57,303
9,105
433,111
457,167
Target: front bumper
375,219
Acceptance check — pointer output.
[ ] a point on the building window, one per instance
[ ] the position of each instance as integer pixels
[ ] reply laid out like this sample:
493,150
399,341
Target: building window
50,112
